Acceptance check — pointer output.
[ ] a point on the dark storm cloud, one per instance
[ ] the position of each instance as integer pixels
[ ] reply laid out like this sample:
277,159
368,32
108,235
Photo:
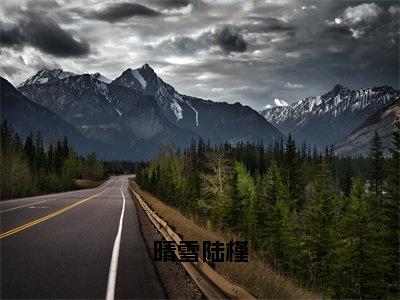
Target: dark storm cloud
121,11
285,49
11,35
229,39
226,37
44,34
171,3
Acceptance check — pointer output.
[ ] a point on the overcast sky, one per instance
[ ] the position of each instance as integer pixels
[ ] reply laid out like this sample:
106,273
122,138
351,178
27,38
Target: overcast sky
223,50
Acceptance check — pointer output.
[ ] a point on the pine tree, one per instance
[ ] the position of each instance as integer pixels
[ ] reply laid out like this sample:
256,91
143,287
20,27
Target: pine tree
346,179
236,218
392,211
361,260
320,219
40,156
58,158
50,159
65,148
292,175
377,171
275,220
29,150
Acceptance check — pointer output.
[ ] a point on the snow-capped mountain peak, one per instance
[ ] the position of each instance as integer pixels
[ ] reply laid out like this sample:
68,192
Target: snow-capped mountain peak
338,111
139,78
280,102
145,80
46,76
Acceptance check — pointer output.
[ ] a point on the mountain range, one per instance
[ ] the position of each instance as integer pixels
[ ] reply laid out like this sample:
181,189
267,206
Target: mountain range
26,116
326,119
131,116
137,112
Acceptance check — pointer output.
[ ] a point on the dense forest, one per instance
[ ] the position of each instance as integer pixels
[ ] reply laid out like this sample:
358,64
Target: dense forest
331,223
29,169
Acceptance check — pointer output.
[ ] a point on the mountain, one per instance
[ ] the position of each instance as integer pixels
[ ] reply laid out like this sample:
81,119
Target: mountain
46,76
214,121
326,119
138,111
102,78
359,141
119,116
27,116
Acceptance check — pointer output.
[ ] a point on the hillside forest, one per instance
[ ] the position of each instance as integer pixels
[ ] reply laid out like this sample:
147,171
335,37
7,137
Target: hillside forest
29,168
330,223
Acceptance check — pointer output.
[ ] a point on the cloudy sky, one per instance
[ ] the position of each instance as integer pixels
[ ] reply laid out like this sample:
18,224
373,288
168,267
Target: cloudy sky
223,50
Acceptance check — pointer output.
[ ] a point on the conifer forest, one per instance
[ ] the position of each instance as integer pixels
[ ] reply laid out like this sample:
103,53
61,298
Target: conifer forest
330,223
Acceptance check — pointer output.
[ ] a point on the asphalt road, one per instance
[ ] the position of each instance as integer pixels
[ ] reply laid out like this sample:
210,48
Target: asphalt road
81,244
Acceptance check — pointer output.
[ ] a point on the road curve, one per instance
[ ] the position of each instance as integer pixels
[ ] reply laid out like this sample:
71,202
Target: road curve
80,244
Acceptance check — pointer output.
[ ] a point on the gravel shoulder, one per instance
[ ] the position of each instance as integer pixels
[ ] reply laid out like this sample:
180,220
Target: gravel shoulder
176,282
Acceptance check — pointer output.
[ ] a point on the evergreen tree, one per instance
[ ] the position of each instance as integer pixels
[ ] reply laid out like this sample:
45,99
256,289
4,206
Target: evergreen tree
377,171
50,158
275,220
360,254
58,158
65,148
40,156
392,211
320,219
246,194
292,174
29,149
236,217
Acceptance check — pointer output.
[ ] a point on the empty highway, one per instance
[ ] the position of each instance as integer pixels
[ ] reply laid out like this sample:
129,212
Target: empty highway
80,244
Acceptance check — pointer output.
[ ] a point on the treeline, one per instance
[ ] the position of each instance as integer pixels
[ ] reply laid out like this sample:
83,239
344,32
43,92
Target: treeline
115,167
330,222
27,168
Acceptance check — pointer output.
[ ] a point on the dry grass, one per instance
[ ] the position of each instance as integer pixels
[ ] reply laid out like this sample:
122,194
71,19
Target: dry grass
256,275
87,184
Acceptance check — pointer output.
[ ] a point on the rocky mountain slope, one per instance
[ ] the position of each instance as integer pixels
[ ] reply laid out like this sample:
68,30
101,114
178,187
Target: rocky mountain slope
326,119
214,121
27,116
121,117
139,111
359,141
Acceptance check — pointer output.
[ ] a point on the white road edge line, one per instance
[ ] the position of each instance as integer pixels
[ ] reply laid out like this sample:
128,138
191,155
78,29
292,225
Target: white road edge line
112,275
46,196
29,204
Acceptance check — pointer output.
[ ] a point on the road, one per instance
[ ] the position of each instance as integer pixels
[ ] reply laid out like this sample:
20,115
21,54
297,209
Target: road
80,244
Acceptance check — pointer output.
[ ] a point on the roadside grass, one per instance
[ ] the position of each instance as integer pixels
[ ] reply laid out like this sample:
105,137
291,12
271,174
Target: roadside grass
87,184
257,276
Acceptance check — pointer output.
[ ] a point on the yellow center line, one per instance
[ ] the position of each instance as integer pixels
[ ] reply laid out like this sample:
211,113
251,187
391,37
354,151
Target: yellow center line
52,215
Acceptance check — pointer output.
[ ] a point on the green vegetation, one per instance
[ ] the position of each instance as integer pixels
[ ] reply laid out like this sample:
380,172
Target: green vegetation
27,169
331,223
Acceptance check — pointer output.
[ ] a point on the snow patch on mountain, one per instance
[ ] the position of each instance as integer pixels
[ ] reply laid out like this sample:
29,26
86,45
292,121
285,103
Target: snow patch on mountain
280,102
195,111
340,103
139,78
101,77
177,109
